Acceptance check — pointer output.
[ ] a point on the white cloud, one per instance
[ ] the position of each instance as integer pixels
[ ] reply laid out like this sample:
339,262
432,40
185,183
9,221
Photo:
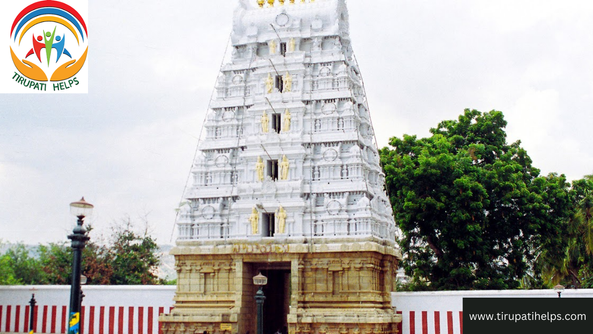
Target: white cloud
533,117
127,146
556,154
512,16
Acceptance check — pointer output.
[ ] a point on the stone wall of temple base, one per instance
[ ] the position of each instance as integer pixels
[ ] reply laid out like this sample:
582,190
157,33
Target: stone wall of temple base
325,288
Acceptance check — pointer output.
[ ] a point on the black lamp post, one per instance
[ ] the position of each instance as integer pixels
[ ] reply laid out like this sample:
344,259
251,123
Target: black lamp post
260,280
79,238
32,303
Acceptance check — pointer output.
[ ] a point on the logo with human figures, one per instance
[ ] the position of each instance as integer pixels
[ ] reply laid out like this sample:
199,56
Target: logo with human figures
49,46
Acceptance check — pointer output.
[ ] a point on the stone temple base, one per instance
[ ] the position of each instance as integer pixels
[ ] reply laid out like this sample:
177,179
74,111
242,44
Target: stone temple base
335,286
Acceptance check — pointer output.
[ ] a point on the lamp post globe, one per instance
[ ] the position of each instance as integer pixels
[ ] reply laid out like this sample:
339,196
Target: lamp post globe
80,209
559,289
260,280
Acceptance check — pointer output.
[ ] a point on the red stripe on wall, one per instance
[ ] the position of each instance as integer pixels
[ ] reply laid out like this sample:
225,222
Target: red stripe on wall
399,325
461,322
140,320
82,316
8,317
111,319
1,306
35,316
131,320
437,322
27,312
92,320
412,322
101,319
450,322
120,321
64,319
161,311
150,319
54,318
424,322
43,320
17,318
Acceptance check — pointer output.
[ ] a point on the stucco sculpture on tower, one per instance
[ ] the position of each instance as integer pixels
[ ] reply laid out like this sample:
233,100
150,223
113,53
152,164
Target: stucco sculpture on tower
284,168
265,122
287,83
280,220
259,169
269,84
286,121
254,221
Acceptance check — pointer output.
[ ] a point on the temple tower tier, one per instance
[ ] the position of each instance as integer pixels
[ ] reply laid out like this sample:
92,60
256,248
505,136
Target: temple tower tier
287,183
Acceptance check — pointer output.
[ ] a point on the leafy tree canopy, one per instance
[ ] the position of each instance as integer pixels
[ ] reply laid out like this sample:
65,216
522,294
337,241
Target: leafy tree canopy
573,266
6,271
130,258
473,210
25,267
134,257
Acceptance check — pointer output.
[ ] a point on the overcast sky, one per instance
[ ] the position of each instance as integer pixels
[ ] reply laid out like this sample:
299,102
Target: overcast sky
128,145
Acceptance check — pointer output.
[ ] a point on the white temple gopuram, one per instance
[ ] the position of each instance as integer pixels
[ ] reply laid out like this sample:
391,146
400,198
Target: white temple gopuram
287,183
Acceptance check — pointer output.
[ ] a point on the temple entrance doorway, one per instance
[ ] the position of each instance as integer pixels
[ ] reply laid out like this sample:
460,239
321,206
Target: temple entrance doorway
277,292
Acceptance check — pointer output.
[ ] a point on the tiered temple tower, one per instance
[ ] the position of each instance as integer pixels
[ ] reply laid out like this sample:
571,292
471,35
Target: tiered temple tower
287,183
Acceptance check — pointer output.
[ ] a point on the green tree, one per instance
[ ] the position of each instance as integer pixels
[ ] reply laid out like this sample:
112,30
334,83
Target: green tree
473,210
26,268
573,267
97,264
56,263
134,257
6,271
130,258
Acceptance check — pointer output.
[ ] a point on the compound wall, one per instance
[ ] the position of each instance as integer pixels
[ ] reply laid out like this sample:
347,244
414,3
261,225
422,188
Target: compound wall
135,309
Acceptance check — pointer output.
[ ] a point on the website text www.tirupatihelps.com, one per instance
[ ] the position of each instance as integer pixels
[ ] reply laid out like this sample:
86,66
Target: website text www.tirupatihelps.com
528,316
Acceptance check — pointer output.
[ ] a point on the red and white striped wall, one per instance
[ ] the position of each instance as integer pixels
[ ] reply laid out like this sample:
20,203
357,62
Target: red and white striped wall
135,309
441,312
94,319
105,310
433,322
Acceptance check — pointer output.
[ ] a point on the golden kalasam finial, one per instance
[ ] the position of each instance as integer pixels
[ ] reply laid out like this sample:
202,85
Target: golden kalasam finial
271,3
281,2
291,1
261,3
